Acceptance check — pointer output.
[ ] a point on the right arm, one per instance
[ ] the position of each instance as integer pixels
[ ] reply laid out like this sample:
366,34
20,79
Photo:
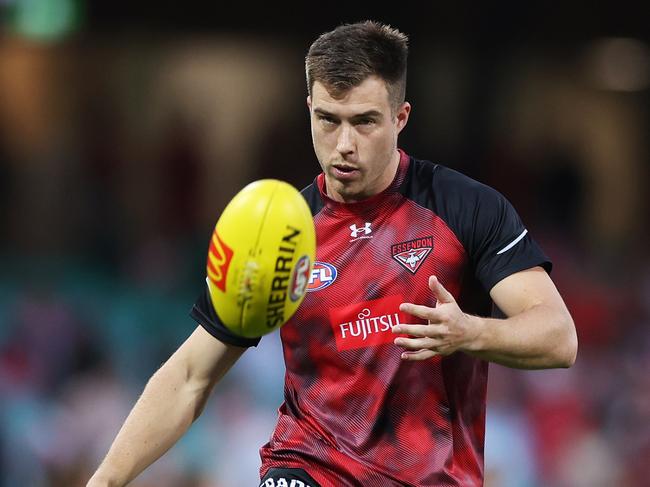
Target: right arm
172,399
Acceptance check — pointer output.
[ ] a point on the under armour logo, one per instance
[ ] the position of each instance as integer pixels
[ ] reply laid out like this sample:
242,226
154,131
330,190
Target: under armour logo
354,231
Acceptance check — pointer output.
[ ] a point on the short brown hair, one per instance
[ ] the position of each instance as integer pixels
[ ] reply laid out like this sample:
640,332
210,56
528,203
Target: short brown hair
344,57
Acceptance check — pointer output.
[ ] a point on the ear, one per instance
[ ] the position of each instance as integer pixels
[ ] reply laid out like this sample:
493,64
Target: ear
403,116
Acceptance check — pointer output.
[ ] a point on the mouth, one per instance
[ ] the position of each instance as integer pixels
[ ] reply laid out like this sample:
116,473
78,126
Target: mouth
344,168
344,173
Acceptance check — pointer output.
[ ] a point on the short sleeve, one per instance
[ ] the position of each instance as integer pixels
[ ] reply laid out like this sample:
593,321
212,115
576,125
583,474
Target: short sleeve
496,241
204,313
500,243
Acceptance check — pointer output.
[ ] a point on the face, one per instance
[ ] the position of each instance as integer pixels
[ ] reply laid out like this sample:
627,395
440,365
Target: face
355,138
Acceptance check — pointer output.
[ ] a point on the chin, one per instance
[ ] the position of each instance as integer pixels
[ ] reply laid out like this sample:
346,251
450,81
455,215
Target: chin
353,196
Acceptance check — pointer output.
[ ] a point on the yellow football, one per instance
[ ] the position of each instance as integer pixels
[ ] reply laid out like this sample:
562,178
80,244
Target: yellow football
260,258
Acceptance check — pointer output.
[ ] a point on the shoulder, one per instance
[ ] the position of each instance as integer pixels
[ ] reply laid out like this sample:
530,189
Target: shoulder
447,191
313,197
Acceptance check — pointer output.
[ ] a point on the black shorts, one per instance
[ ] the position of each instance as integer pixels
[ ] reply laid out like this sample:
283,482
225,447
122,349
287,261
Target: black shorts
287,477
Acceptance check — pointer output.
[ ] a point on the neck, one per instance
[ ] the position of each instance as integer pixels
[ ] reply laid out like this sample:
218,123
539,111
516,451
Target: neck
389,173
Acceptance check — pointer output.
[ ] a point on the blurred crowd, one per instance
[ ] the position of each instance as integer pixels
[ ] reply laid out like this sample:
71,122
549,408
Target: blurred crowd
117,155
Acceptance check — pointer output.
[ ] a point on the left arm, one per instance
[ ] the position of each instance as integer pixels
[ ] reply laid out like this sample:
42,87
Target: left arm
538,332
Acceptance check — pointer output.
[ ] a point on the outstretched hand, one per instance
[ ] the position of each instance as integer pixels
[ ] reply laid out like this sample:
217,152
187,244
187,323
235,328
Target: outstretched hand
448,329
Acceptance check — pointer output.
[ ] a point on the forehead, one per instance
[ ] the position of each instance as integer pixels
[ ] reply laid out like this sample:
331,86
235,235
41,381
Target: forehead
371,94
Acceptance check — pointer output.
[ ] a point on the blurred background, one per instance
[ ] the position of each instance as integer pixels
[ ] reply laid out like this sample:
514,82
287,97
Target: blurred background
124,130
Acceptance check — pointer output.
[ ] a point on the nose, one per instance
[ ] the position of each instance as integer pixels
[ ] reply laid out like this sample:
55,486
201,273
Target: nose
345,141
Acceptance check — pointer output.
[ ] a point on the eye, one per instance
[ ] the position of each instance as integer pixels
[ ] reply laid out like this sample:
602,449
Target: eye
326,120
366,121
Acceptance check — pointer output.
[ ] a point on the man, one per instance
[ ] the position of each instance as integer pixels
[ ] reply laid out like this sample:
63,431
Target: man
387,357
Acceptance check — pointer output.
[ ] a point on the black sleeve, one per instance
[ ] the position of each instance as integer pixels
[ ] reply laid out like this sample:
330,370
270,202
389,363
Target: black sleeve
313,197
497,242
204,313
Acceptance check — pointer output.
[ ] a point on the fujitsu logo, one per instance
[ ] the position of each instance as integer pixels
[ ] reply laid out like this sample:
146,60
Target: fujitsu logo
355,231
367,325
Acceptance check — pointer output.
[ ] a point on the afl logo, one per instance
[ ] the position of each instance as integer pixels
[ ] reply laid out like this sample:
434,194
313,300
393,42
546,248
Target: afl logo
322,276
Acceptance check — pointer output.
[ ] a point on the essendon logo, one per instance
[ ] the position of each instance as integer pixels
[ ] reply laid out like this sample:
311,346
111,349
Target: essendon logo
322,276
412,253
219,257
368,323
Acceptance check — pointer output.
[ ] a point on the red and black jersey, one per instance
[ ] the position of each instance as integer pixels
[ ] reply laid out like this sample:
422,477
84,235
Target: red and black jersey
354,413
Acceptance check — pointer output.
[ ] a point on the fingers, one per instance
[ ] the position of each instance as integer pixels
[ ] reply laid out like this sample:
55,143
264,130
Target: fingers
439,291
431,330
419,355
434,315
426,341
414,348
415,343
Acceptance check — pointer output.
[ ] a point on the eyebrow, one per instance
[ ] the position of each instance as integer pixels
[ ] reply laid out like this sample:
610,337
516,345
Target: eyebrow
369,113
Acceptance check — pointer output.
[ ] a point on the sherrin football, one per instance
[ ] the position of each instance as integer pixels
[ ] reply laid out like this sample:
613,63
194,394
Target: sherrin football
260,258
